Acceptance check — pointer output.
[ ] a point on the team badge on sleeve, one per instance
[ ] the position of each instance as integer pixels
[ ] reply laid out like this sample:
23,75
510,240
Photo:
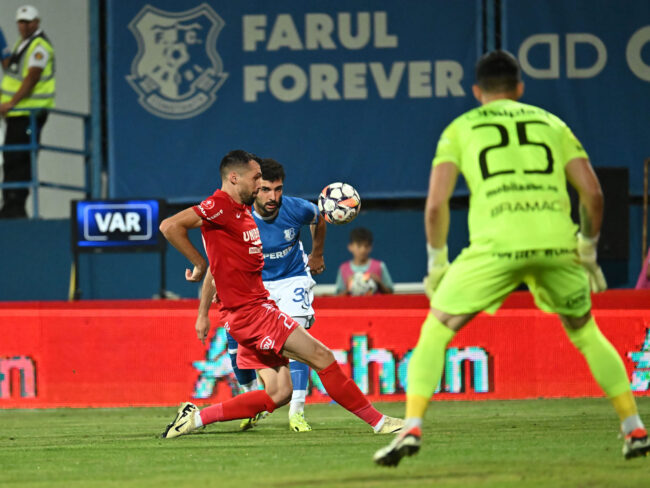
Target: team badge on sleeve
208,203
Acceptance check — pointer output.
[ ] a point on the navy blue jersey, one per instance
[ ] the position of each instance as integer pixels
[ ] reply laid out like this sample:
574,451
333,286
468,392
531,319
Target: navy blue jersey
284,255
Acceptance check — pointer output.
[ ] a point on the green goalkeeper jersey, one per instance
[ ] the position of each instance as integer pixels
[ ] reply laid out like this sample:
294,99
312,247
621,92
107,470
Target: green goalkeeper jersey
512,156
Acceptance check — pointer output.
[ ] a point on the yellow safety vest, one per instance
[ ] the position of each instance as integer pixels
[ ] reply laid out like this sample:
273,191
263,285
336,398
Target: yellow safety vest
42,96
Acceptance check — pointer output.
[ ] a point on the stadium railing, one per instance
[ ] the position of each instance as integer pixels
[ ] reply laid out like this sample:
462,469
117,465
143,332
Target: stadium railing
34,147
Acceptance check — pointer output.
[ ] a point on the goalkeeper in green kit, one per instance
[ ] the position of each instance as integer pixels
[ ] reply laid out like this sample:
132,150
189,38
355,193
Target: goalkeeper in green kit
516,159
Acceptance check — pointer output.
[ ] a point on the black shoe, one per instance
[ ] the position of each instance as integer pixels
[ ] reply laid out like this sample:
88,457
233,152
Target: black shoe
636,444
407,443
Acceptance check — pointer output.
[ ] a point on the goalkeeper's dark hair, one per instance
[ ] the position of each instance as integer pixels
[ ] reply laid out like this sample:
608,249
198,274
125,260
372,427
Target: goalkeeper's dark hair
271,170
361,235
498,72
235,160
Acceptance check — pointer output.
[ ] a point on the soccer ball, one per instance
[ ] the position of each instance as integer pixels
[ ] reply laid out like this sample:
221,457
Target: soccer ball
362,284
339,203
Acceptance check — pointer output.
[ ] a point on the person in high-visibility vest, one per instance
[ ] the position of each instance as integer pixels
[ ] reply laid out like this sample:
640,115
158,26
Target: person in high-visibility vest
28,82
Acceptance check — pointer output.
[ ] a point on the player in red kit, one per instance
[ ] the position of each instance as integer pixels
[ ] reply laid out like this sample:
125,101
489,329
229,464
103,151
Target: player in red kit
267,337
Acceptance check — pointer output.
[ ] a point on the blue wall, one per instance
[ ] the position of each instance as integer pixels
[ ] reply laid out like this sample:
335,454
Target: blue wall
322,139
36,258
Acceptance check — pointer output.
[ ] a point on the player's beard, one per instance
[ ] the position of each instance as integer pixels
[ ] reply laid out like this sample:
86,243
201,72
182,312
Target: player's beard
247,197
268,213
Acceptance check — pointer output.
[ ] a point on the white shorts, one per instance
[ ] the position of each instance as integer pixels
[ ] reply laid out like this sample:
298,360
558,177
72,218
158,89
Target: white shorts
294,296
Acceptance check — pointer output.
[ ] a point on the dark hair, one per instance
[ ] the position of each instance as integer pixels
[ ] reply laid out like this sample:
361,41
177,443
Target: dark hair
497,72
237,160
271,170
361,234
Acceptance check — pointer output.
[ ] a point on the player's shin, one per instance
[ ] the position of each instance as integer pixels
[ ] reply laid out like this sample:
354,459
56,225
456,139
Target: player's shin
240,407
425,367
608,370
346,393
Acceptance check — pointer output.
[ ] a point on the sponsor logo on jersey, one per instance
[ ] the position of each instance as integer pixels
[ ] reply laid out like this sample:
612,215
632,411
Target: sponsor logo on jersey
252,235
212,217
515,187
278,254
267,344
205,214
536,206
177,69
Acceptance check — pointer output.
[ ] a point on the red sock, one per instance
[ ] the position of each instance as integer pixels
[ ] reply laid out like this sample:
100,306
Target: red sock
242,406
346,393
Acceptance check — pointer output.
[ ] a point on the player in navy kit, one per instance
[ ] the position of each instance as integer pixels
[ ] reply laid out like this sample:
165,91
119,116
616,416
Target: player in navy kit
287,274
267,337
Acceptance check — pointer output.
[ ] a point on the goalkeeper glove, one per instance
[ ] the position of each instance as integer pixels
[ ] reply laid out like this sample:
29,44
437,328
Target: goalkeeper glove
587,257
437,266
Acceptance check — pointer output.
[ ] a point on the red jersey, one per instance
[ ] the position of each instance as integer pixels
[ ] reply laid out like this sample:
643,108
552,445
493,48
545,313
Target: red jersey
232,242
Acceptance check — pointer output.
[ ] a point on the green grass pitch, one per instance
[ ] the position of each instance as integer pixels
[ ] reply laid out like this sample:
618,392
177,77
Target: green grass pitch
553,443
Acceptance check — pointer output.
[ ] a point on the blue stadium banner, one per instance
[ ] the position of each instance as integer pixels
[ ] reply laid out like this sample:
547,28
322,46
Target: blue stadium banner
592,69
354,91
115,225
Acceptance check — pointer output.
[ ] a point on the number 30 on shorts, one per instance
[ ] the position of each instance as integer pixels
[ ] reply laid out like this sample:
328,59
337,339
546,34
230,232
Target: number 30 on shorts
301,296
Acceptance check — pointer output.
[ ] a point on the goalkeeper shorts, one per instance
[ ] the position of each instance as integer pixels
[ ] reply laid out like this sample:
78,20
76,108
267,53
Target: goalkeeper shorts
480,280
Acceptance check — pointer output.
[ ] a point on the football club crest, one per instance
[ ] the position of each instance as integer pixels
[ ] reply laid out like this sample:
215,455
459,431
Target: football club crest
177,70
289,234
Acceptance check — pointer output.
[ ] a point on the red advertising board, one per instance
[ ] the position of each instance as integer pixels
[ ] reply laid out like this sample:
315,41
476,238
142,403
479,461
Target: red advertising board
125,353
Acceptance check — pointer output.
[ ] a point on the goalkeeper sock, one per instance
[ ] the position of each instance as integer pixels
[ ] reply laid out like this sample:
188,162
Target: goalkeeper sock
346,393
411,422
242,406
425,365
625,406
605,364
631,423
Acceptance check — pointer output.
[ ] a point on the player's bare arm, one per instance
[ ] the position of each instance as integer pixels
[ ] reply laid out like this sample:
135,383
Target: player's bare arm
175,229
315,260
208,293
436,214
582,177
436,223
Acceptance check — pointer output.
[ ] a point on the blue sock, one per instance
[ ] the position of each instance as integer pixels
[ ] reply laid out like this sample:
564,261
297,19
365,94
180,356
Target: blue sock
299,375
300,379
244,376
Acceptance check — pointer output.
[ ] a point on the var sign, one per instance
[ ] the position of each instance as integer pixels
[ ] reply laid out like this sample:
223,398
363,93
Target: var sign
118,222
